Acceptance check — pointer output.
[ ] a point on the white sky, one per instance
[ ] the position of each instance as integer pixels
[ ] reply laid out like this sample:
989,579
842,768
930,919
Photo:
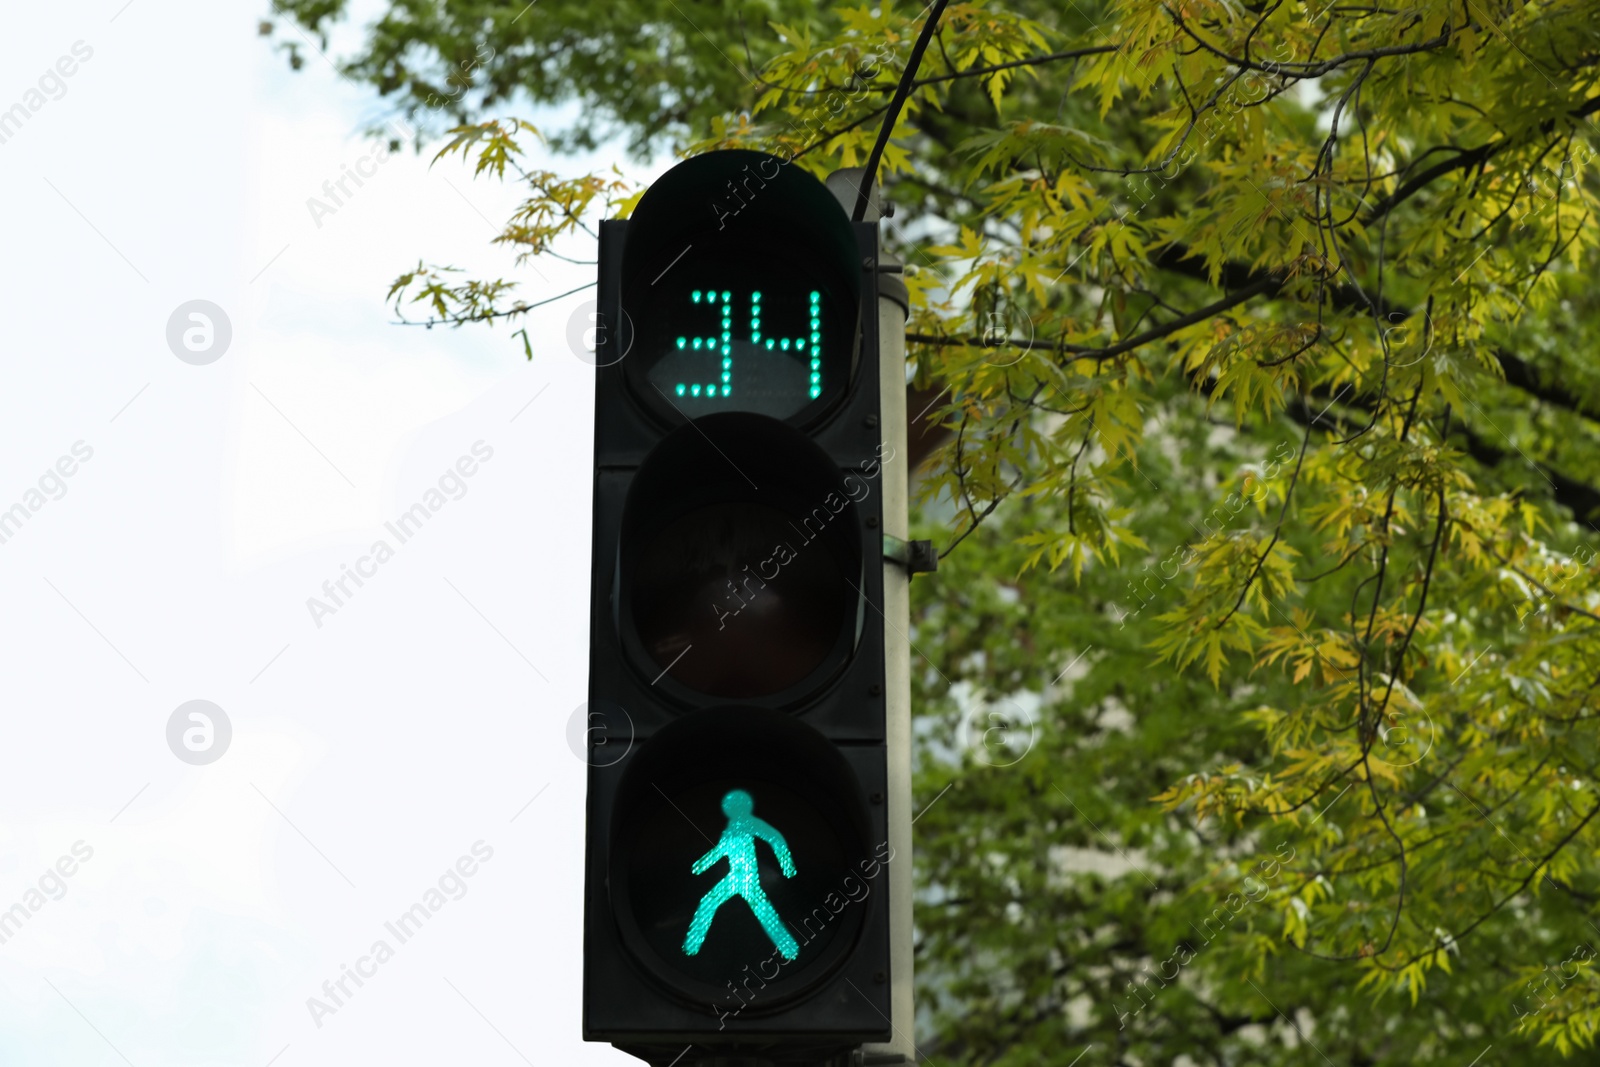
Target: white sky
369,754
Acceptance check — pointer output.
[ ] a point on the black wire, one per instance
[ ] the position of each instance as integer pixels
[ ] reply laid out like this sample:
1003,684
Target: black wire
901,91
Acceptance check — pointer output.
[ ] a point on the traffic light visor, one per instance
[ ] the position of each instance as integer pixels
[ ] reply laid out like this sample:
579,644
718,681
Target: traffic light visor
742,291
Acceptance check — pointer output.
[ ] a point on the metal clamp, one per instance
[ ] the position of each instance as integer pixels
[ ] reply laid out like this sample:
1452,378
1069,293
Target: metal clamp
917,557
863,1058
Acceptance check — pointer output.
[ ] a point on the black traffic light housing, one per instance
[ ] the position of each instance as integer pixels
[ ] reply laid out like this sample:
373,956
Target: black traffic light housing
736,633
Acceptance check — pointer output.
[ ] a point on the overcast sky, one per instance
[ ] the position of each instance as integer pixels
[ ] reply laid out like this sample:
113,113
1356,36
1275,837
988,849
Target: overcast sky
170,518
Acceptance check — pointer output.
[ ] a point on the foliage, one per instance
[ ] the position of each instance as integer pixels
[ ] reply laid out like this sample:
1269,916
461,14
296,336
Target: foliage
1298,348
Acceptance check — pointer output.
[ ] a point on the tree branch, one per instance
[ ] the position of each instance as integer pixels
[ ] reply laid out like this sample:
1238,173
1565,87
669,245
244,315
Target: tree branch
1264,285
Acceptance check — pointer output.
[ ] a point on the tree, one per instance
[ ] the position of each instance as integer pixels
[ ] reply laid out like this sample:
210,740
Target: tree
1262,342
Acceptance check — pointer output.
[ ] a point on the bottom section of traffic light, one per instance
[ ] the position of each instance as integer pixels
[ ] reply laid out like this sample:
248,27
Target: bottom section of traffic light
737,893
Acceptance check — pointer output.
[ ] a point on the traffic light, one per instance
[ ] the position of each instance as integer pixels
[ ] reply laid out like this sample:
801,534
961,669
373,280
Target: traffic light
738,846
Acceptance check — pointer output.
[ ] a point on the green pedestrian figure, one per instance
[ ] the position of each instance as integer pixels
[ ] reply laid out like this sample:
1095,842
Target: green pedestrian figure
738,845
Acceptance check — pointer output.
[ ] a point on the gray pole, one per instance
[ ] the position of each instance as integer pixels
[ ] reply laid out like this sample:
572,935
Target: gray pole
893,307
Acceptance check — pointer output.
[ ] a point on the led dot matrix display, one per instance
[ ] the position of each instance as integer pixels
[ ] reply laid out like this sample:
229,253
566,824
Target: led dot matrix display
733,343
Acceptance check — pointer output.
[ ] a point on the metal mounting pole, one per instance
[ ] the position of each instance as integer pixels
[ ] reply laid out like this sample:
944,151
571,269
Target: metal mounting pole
893,307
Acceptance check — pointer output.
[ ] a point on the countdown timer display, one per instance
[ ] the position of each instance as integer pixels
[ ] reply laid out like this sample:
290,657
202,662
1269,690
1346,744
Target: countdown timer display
769,350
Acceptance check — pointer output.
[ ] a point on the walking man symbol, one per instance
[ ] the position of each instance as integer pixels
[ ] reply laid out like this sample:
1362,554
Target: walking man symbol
738,845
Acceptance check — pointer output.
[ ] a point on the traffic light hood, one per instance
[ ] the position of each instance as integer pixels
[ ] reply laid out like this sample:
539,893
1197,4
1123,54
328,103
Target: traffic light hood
722,202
